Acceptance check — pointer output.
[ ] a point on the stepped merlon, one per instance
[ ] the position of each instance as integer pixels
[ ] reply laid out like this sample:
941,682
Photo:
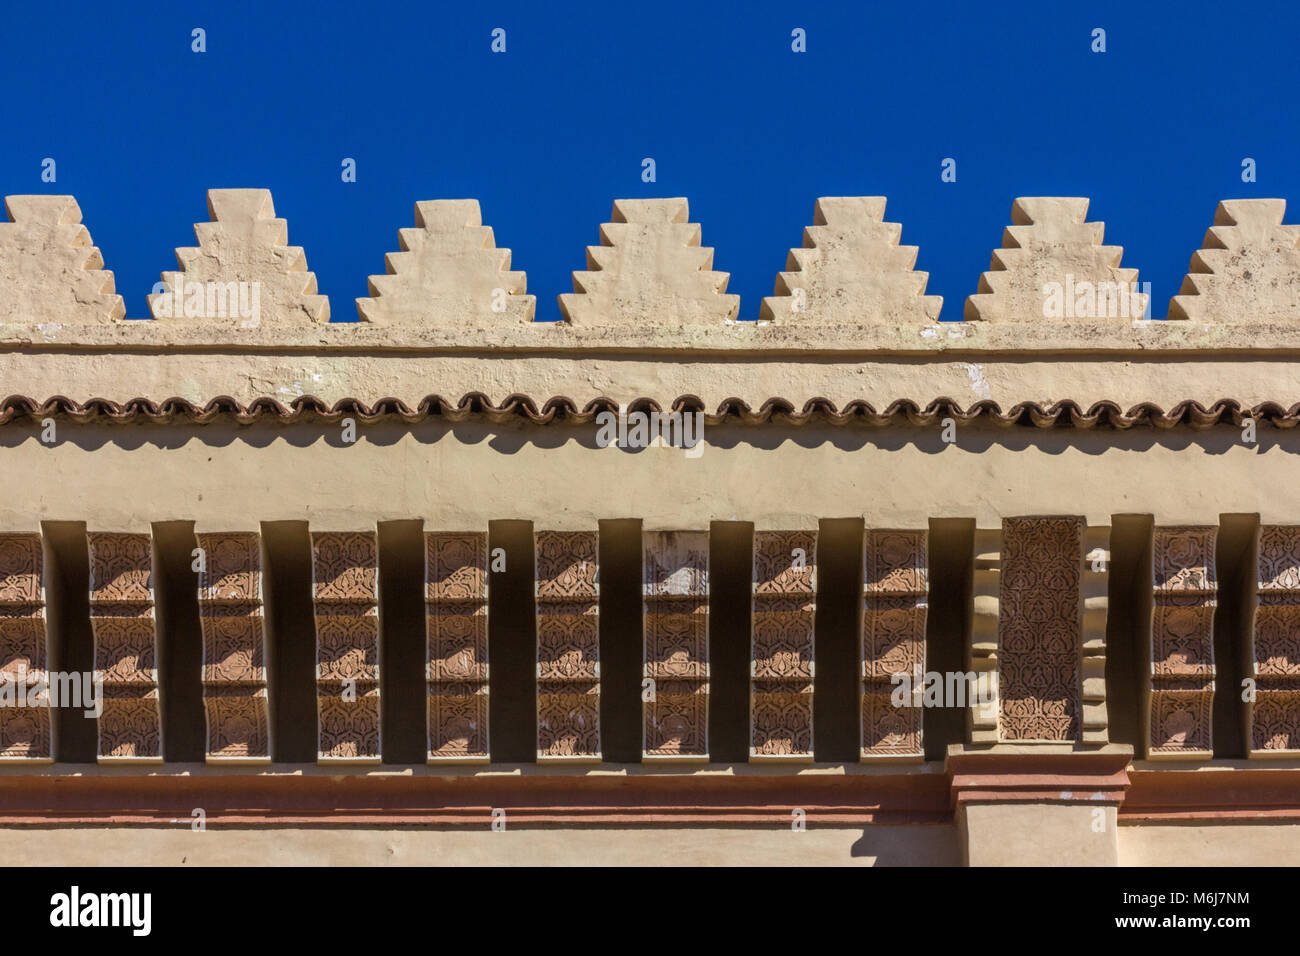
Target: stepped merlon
1053,265
1248,269
851,270
449,270
649,269
243,252
50,270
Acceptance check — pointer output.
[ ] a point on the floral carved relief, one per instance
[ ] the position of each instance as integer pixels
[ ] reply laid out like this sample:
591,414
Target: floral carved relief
1040,628
781,645
24,730
895,590
345,574
1181,696
235,695
568,645
1273,716
675,588
126,646
457,645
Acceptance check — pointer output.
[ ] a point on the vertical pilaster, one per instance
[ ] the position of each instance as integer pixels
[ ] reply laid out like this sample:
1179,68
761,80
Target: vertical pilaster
986,584
126,647
25,722
456,629
235,696
894,607
675,576
1180,694
1273,715
1094,608
345,593
568,646
781,649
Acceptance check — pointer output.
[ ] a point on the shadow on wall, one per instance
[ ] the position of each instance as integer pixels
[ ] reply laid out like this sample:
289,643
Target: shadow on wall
909,845
509,438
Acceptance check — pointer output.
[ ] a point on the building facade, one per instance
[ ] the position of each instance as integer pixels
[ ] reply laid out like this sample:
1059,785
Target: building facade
847,584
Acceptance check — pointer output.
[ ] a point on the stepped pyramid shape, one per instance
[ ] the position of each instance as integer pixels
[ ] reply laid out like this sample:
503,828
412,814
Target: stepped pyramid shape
1052,264
50,271
449,271
649,269
851,270
246,245
1248,268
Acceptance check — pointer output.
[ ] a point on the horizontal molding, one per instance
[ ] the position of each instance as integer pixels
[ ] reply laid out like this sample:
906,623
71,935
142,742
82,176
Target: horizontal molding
712,796
1212,793
22,409
760,339
468,799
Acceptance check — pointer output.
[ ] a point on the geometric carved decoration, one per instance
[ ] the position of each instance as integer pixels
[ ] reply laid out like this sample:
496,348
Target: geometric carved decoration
1180,695
895,590
1273,717
675,571
235,702
448,272
126,650
457,635
344,590
649,268
568,646
851,270
24,651
1050,246
781,651
50,271
1040,628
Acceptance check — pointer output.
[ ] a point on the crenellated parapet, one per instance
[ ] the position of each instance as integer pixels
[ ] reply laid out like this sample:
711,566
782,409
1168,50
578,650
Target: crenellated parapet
850,331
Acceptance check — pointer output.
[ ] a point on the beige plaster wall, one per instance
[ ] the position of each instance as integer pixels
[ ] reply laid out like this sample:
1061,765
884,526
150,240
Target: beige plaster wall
1122,362
1243,843
962,377
1038,834
123,477
879,845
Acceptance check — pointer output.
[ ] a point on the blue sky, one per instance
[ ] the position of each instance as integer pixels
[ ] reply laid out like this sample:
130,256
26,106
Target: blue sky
549,133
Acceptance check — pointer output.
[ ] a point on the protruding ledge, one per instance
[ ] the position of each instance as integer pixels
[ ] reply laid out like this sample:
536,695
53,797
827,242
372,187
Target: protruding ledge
494,338
1039,773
